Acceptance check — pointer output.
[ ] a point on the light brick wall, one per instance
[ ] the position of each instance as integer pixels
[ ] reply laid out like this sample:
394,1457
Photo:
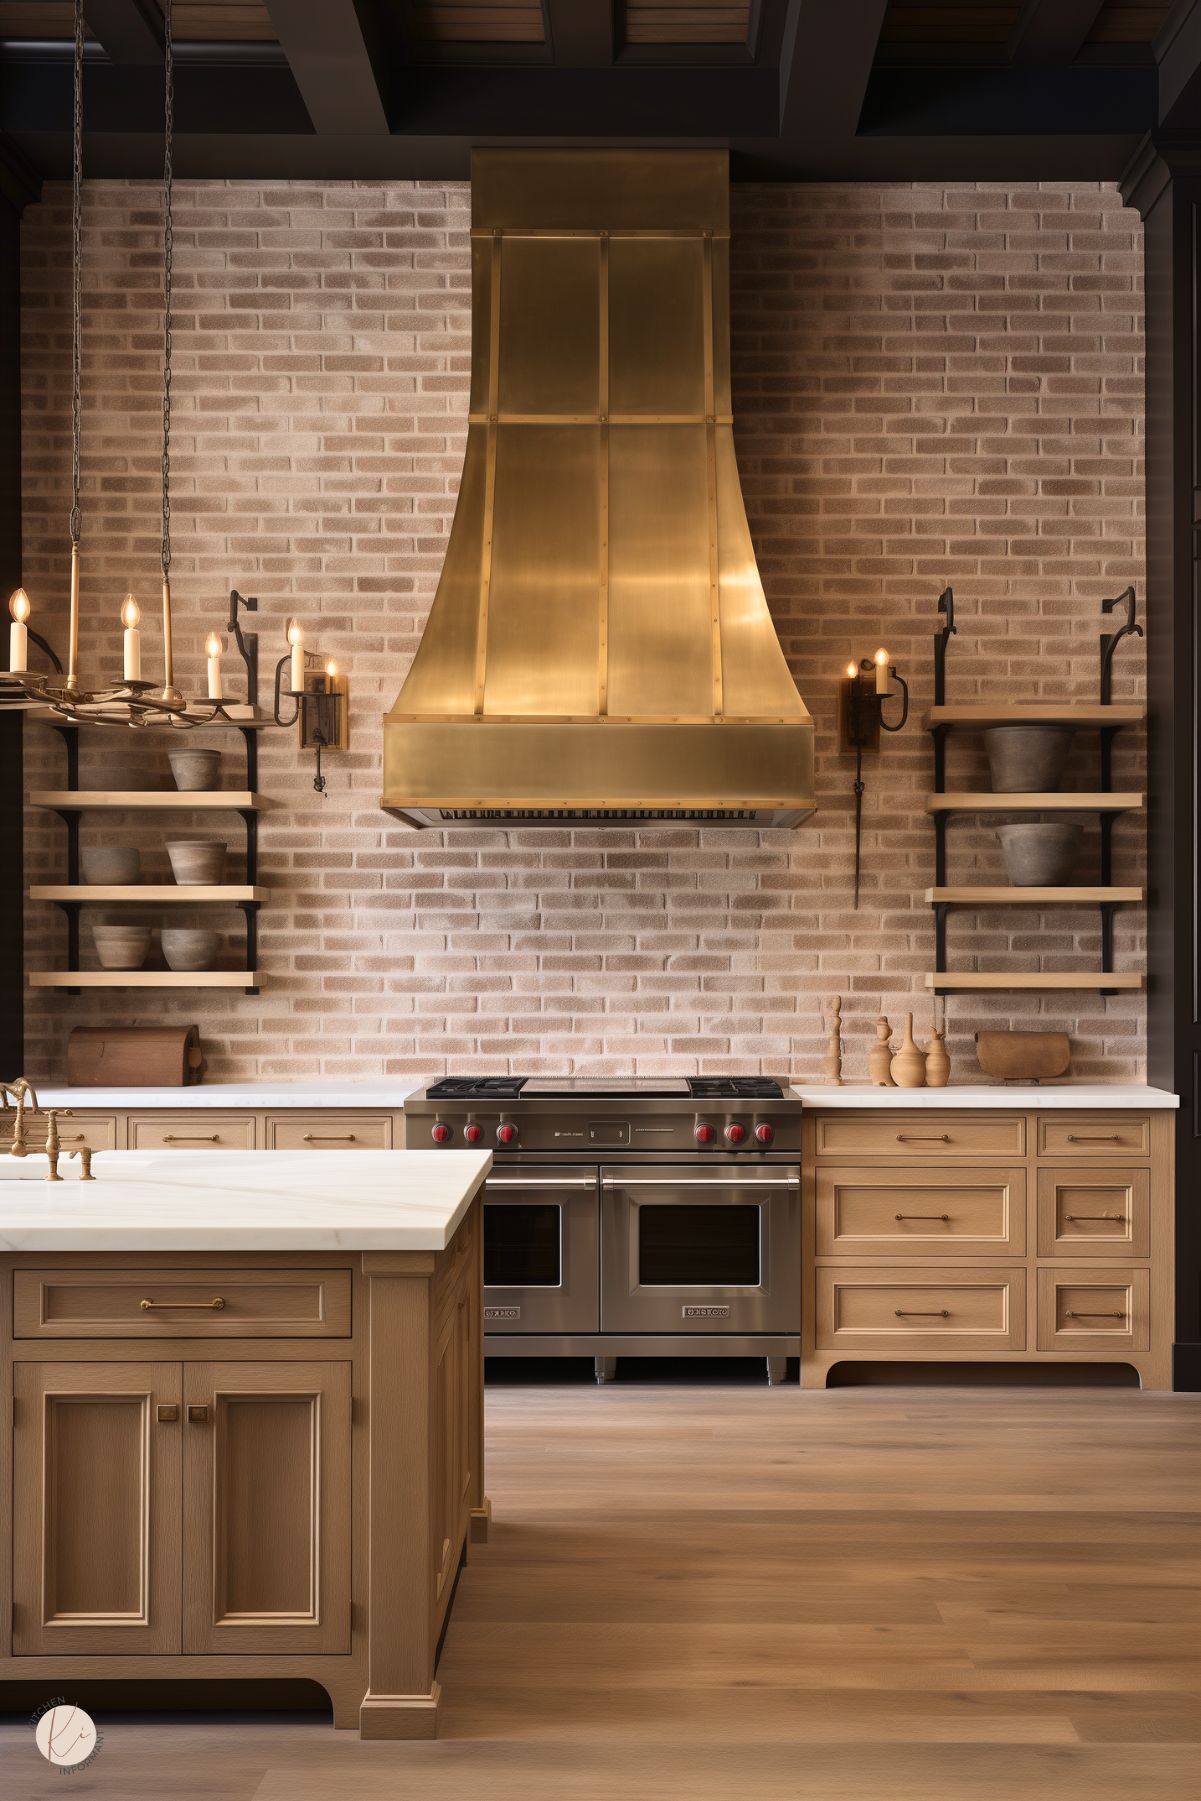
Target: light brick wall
932,384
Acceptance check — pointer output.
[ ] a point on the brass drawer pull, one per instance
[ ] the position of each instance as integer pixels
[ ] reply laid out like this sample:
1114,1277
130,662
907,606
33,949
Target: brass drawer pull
1094,1316
923,1138
1119,1218
923,1313
197,1414
213,1306
167,1413
1094,1138
72,1138
330,1138
944,1217
191,1138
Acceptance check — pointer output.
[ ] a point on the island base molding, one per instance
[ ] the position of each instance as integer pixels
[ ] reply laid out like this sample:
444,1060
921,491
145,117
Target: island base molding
194,1494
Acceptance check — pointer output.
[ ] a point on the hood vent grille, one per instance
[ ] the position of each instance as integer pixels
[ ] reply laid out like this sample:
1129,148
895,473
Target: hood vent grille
599,648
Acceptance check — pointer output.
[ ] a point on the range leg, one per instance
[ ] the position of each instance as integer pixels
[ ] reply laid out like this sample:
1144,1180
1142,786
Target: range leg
777,1370
605,1367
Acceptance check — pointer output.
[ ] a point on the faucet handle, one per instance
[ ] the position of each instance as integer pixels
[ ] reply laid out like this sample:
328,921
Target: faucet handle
52,1145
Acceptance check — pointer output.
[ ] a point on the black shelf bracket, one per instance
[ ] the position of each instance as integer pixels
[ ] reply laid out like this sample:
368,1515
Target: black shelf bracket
946,606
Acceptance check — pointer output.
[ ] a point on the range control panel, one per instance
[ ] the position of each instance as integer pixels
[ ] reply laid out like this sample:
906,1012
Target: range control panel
572,1126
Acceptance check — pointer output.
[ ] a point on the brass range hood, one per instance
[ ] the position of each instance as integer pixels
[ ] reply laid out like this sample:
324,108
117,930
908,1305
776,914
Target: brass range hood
599,649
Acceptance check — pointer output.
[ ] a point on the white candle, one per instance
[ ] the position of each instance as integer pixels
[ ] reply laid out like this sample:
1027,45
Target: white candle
213,648
296,640
18,636
131,612
881,661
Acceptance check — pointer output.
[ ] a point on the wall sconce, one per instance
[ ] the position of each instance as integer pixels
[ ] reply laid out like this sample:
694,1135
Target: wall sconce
864,689
320,697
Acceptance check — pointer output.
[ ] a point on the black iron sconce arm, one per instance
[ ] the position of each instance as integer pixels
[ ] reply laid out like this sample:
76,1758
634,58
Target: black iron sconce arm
862,721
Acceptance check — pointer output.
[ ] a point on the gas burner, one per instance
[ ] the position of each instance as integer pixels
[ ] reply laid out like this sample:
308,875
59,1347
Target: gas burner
471,1088
718,1088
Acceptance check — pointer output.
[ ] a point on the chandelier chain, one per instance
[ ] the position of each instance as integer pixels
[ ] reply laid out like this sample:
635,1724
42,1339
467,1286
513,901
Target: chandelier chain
168,272
76,269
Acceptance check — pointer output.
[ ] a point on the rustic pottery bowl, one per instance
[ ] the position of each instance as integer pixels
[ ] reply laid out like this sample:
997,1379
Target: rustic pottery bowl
197,861
114,865
1040,854
189,947
194,769
121,947
1027,759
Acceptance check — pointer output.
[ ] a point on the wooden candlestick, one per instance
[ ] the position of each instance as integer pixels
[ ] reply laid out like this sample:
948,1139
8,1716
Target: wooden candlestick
879,1058
909,1065
833,1063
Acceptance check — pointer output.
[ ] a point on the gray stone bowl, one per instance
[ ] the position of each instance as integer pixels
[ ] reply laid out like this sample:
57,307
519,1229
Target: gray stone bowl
1027,759
197,861
121,947
113,865
189,947
1040,854
193,768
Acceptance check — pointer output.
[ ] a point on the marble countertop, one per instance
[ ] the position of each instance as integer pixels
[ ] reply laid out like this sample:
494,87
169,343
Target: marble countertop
258,1096
1043,1095
241,1201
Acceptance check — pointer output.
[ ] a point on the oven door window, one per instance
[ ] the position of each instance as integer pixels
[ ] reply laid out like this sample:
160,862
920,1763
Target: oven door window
523,1244
694,1244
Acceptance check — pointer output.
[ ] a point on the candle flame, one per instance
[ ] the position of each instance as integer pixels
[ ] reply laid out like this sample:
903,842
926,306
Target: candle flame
881,659
295,633
852,671
18,605
331,668
131,612
212,645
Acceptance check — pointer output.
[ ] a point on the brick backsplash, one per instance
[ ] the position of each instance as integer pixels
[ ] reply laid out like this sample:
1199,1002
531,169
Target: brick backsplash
932,384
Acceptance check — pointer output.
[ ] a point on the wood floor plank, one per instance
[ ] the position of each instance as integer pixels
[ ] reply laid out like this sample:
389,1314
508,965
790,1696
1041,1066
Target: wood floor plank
730,1593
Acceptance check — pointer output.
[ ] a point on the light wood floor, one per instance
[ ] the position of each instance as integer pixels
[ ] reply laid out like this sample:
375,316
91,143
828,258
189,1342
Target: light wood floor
752,1594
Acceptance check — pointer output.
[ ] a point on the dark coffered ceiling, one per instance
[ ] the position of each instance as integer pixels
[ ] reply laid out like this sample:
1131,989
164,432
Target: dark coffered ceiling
798,89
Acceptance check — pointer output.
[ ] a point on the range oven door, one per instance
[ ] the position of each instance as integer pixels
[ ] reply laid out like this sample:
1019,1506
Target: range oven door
689,1252
541,1270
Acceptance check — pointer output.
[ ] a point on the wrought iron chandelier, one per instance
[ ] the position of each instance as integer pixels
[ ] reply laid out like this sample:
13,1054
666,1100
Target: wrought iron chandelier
313,686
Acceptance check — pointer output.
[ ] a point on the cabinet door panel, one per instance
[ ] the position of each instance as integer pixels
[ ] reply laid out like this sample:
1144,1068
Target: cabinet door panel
96,1550
267,1507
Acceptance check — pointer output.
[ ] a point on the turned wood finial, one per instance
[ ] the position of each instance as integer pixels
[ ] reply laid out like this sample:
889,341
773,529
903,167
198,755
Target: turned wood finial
833,1064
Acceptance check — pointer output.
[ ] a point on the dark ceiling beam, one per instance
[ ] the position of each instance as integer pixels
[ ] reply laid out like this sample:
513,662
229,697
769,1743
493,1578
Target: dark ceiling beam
581,33
631,101
129,31
259,99
1178,55
1085,101
333,50
1052,33
825,61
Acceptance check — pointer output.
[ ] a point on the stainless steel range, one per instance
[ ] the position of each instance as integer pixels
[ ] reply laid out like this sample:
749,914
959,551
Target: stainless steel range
655,1217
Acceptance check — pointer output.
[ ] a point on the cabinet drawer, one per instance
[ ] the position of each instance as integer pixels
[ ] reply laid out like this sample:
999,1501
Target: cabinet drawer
949,1310
330,1132
1102,1212
867,1212
1093,1309
200,1131
1093,1135
919,1134
99,1131
255,1303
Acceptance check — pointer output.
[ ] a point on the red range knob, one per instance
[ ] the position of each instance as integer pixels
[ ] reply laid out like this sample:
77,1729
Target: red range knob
765,1133
473,1132
735,1133
703,1133
440,1133
505,1134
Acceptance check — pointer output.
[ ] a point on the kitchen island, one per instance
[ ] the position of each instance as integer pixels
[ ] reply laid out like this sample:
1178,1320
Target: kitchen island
246,1404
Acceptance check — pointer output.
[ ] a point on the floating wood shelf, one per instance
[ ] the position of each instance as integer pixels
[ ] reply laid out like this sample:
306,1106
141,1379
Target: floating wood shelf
243,718
966,981
1034,803
1006,896
158,893
142,978
206,800
1035,712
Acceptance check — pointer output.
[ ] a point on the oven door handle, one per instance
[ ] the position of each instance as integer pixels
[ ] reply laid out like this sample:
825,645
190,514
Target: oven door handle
539,1182
730,1181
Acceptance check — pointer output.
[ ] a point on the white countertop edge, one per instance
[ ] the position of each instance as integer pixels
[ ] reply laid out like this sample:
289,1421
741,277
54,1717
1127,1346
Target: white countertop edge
256,1096
243,1201
1046,1097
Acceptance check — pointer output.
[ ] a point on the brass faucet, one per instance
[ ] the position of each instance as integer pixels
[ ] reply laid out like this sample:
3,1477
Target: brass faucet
25,1095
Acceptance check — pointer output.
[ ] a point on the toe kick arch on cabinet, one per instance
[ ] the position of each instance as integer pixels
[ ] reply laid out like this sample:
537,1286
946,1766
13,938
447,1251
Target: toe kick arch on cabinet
1012,1236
